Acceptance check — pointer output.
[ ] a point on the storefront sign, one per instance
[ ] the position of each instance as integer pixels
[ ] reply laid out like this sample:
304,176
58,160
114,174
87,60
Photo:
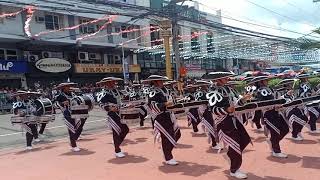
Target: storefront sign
53,65
105,68
13,66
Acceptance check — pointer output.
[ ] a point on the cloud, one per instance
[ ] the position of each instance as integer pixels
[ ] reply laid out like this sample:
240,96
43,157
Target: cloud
301,16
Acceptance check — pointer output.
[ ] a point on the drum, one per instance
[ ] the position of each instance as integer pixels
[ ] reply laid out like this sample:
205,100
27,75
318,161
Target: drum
84,100
19,109
17,119
24,119
46,118
80,106
130,114
43,107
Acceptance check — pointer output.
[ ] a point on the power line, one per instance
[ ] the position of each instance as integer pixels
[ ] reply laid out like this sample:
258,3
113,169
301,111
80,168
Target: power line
274,12
261,25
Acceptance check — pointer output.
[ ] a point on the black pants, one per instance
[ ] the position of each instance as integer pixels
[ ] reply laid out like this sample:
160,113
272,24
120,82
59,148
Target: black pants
142,115
42,127
277,121
232,128
235,159
296,129
29,137
194,122
164,119
118,138
152,122
80,128
313,121
257,119
207,115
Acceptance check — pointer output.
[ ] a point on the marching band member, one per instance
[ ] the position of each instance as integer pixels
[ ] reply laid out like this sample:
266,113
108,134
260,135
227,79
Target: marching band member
23,107
165,125
135,95
274,121
63,101
205,113
193,113
230,130
110,100
295,115
305,90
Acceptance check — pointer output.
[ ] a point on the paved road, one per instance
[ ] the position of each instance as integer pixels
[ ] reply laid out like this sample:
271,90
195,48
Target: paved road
144,161
12,136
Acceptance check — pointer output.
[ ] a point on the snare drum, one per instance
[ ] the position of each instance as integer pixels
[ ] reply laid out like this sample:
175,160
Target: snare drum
130,114
43,107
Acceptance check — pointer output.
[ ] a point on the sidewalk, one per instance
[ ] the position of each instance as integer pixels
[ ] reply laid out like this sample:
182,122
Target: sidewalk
55,161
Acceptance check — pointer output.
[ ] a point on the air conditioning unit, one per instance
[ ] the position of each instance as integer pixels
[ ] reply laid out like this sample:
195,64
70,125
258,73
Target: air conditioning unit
39,19
33,58
46,54
94,56
83,56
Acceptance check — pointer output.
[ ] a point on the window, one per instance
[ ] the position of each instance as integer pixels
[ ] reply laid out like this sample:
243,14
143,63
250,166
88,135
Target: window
53,22
2,54
12,55
88,28
124,35
8,54
110,59
195,46
210,44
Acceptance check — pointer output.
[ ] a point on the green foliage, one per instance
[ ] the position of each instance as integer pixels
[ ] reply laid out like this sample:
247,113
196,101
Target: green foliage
273,82
314,81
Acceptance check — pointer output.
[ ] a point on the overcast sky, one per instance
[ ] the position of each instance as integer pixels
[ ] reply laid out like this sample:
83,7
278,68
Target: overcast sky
301,16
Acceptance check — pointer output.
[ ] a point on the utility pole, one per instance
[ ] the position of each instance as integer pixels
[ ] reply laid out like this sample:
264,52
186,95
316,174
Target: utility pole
166,34
175,40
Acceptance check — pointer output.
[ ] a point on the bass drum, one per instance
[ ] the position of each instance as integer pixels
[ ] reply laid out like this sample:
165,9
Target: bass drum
43,107
83,100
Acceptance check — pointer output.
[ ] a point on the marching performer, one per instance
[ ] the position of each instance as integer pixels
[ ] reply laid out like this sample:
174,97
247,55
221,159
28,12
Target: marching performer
23,107
205,113
305,90
165,125
295,115
230,130
63,100
136,94
274,121
193,113
110,100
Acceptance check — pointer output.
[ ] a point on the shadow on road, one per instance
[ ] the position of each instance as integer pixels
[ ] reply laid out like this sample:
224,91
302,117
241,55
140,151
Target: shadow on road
291,159
255,177
311,162
35,149
129,159
198,135
188,169
305,141
87,139
184,146
83,152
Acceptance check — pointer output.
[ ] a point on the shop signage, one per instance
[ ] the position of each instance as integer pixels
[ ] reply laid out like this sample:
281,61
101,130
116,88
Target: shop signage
105,68
13,66
53,65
